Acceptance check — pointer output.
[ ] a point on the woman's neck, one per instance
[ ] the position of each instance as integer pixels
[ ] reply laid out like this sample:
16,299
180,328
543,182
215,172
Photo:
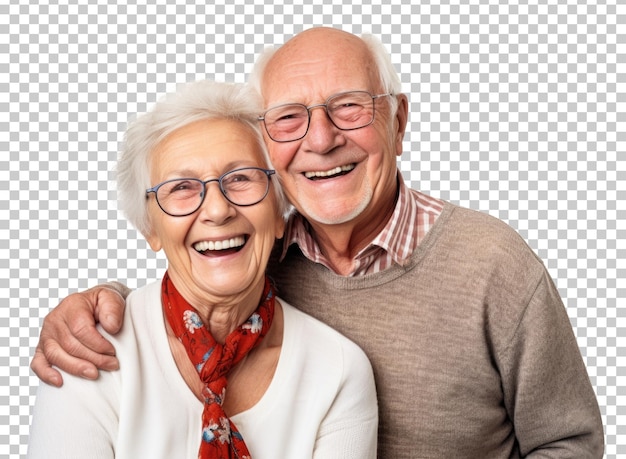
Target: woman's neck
222,314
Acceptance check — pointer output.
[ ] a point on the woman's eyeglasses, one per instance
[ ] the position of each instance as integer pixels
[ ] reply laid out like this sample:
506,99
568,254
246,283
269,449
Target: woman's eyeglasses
183,196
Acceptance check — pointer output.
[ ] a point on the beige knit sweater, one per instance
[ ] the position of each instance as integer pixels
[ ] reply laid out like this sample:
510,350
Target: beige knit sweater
473,351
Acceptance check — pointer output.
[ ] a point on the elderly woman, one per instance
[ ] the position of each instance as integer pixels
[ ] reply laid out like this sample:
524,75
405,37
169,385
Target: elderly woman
212,363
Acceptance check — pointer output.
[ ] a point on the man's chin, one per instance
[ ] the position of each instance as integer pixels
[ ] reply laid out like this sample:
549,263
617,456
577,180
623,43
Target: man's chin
334,215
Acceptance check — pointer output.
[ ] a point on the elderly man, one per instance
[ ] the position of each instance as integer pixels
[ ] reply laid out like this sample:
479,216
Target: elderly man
472,349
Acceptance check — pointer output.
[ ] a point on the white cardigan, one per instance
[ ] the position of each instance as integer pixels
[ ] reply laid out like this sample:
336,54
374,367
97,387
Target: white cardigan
321,402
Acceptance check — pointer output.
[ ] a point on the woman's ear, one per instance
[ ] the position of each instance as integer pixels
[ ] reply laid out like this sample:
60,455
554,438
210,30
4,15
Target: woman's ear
153,240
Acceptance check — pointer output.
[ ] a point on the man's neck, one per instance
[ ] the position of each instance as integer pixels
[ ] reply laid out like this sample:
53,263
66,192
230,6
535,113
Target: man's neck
341,243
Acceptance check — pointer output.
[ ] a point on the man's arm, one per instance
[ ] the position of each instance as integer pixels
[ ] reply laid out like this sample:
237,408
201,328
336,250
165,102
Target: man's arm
69,338
547,390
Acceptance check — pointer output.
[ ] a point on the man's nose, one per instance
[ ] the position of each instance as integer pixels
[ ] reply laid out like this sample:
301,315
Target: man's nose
322,132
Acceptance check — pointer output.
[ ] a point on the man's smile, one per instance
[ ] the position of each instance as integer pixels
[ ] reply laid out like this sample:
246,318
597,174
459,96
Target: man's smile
339,170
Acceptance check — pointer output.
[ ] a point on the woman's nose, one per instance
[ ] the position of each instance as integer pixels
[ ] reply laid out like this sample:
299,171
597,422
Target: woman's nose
215,207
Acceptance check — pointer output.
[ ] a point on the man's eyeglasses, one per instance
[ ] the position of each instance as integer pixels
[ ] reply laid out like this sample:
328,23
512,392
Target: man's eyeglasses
346,110
183,196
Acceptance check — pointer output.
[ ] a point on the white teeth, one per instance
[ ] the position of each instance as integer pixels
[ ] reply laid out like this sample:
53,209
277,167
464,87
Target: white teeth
335,171
231,243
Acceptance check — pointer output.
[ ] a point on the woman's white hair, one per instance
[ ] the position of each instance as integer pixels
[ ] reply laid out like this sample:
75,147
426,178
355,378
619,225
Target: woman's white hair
202,100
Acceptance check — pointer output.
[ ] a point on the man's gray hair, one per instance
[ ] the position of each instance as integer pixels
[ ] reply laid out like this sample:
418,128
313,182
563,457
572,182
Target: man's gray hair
202,100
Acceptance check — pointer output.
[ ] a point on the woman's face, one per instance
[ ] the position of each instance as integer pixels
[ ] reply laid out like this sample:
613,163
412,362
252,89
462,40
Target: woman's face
199,265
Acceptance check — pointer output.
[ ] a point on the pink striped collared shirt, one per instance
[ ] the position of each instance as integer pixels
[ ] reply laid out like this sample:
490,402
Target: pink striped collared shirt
415,213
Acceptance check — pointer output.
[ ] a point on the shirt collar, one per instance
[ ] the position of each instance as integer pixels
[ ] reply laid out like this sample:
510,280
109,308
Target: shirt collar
412,217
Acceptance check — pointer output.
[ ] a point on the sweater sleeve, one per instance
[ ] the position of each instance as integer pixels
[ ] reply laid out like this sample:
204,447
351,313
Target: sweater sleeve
350,427
76,421
546,387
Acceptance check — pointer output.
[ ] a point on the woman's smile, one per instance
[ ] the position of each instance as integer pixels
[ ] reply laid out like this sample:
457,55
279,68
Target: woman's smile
229,244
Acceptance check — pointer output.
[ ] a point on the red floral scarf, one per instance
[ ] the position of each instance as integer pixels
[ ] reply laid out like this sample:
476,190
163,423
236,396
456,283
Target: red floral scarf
220,438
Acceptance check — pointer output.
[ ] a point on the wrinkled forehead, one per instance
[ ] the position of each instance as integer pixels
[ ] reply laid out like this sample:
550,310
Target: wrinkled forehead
208,143
309,73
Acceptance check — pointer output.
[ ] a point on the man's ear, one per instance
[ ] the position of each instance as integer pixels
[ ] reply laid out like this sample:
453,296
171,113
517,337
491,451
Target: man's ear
402,118
280,227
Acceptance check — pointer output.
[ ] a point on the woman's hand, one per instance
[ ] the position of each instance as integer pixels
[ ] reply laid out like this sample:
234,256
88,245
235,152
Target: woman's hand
69,338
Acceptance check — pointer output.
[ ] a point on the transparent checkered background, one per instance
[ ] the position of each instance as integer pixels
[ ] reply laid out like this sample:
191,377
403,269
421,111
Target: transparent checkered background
518,111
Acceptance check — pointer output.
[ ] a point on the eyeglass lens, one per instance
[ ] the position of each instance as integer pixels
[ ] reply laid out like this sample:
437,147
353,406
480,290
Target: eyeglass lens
351,110
242,187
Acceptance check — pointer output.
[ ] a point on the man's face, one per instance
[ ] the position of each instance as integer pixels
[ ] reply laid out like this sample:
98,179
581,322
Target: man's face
333,176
